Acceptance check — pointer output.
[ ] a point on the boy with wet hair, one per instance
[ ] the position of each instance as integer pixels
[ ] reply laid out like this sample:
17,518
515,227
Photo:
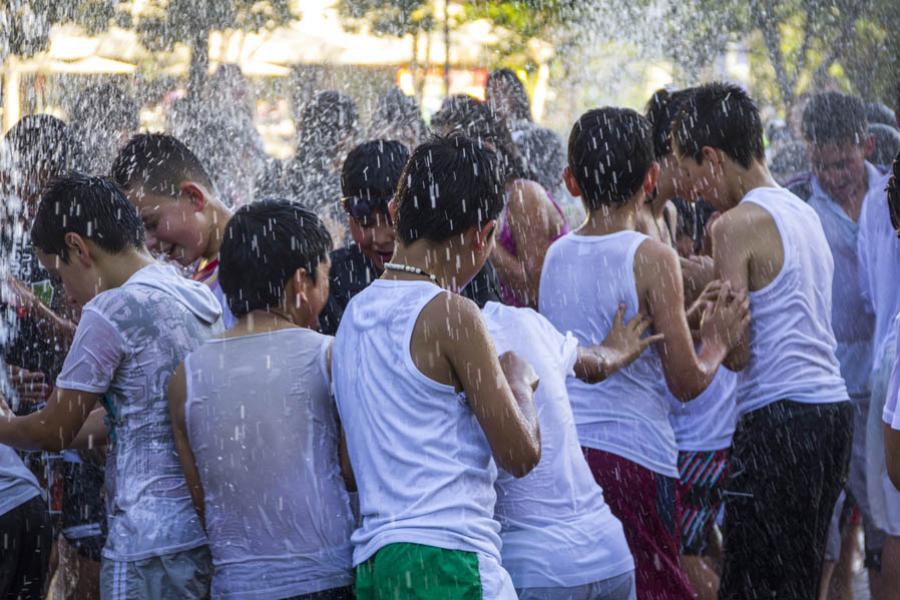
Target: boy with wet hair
588,273
838,144
792,443
178,204
405,350
139,319
292,520
369,179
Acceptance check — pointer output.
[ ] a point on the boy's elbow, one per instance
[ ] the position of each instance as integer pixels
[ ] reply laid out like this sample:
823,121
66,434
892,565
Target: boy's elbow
525,463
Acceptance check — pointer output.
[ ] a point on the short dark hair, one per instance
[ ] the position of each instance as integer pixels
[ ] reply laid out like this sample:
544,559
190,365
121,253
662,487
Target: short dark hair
722,116
661,110
508,83
835,118
373,168
159,163
477,120
42,144
92,207
264,244
610,153
448,185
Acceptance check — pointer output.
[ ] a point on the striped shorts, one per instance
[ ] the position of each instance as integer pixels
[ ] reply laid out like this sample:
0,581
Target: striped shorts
699,490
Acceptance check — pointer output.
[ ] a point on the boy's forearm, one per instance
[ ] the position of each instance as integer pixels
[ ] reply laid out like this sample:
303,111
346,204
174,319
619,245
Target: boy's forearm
30,432
593,365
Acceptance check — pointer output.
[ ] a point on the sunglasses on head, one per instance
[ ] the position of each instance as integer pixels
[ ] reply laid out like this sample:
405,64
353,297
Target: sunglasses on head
362,207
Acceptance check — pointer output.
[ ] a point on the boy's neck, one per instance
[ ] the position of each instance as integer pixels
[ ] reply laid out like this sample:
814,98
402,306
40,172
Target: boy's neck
610,219
116,269
743,181
440,260
219,214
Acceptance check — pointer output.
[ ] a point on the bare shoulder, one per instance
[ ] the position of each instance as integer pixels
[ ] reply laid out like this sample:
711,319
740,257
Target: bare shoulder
743,222
446,313
654,252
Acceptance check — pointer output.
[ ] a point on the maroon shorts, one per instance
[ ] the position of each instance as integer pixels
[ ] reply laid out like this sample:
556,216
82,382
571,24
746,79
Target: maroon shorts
644,502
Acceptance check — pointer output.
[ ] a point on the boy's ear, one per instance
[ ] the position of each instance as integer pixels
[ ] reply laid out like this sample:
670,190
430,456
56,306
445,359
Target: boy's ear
651,178
571,184
298,288
868,146
484,233
712,155
195,193
77,248
392,210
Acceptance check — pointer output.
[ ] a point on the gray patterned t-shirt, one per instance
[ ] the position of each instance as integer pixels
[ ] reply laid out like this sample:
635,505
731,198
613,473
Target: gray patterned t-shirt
128,343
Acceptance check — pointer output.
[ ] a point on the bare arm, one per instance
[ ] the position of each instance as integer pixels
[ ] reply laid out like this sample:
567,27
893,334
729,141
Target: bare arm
732,262
52,428
93,433
500,397
659,280
622,346
177,394
529,223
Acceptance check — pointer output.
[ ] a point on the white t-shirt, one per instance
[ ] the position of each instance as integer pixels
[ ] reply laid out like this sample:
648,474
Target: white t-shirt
584,280
708,421
891,413
17,484
792,344
129,341
267,454
556,529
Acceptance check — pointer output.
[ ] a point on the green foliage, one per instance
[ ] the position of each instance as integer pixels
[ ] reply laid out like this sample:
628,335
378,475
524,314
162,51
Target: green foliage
25,24
397,18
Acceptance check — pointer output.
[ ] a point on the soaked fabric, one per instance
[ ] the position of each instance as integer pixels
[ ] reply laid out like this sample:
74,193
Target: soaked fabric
283,529
699,492
707,422
584,280
645,503
84,512
557,530
801,366
787,468
25,542
208,274
620,587
17,484
129,341
884,498
422,463
184,575
399,571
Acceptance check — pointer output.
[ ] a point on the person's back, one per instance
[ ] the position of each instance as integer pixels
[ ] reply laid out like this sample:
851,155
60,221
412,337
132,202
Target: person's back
801,366
275,502
555,526
452,465
155,318
585,279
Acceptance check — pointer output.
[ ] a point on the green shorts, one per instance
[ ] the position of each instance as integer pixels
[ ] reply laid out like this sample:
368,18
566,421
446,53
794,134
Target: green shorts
399,571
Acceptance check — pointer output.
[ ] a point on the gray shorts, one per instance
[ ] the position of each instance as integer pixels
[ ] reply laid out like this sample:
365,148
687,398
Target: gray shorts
182,575
621,587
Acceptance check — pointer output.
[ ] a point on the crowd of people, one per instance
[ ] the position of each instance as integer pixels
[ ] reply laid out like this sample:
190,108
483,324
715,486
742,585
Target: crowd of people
462,360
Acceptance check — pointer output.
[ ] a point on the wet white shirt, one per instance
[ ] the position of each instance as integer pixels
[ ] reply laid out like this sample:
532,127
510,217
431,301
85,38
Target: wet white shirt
128,342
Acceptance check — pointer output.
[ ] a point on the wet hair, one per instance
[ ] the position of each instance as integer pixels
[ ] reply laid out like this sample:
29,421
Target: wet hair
373,168
42,145
887,143
265,243
544,154
893,195
397,116
159,163
661,110
834,118
463,114
505,82
94,208
722,116
876,112
449,185
610,153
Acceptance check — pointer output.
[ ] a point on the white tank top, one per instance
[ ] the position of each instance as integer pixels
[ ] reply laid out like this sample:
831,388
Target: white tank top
264,433
583,281
422,463
792,344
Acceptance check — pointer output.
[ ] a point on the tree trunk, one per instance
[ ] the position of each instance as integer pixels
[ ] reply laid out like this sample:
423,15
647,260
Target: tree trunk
199,68
769,27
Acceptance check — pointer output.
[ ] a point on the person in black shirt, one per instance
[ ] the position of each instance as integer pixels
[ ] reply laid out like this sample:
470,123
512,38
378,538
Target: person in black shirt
368,179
